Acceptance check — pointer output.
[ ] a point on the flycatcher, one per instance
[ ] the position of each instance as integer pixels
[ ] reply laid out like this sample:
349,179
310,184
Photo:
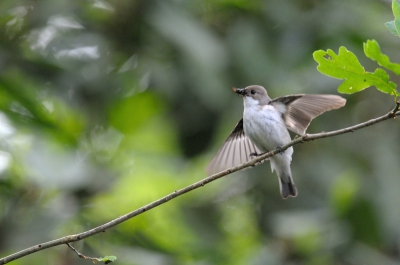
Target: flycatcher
264,127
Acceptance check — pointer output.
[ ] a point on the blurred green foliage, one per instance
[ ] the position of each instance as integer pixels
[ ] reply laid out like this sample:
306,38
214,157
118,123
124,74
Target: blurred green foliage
106,106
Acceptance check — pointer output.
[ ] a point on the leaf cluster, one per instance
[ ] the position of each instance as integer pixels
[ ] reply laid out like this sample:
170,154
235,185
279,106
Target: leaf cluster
345,64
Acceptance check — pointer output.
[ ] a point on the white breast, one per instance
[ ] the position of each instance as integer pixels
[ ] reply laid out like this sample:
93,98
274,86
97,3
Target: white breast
264,125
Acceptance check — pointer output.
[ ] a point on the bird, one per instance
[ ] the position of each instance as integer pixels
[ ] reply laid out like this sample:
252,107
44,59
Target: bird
264,127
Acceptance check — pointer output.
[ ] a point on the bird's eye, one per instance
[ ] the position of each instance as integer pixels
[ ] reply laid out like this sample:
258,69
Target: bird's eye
253,92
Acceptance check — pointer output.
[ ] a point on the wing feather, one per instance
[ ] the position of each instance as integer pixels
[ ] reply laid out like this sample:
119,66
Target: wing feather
235,151
299,110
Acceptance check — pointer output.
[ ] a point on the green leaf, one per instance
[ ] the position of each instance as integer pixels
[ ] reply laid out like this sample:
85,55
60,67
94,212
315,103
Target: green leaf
397,26
345,65
396,9
107,259
373,51
392,28
380,79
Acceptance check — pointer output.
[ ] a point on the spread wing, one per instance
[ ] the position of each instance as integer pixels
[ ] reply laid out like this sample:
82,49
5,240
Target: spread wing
299,110
235,151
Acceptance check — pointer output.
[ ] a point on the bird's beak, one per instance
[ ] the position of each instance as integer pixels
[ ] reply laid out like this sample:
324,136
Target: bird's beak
240,91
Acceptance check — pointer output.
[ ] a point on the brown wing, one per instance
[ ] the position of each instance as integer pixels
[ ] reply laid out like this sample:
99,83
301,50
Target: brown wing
299,110
235,151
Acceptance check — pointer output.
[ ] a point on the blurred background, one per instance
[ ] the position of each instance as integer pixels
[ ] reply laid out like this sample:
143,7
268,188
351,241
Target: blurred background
107,105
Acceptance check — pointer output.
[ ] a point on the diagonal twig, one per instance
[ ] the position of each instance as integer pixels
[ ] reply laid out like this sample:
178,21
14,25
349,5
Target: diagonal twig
102,228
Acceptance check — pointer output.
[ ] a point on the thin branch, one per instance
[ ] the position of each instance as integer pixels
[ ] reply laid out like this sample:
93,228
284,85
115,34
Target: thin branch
106,260
81,255
102,228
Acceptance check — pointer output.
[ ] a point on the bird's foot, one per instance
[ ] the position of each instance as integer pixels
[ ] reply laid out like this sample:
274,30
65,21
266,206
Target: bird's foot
279,148
256,154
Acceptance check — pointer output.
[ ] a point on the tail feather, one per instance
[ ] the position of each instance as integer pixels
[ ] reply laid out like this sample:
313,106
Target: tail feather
281,164
288,189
